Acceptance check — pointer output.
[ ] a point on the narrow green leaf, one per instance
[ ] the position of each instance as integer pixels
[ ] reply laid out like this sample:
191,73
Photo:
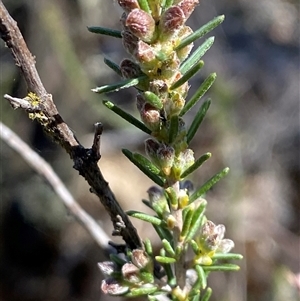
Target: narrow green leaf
116,259
187,223
206,186
113,66
147,203
147,163
127,83
178,251
195,297
202,278
199,93
197,121
148,246
187,75
196,165
132,120
195,247
167,4
207,294
155,178
145,217
224,267
153,99
105,31
141,291
174,127
196,55
165,259
227,256
196,220
166,244
144,5
163,233
201,32
172,196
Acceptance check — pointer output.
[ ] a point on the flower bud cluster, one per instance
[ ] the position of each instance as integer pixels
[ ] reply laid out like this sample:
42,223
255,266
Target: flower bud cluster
152,33
151,37
211,240
129,274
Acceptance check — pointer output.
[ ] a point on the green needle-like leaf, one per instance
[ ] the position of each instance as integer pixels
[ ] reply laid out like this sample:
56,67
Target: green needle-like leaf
197,121
173,130
165,259
154,100
201,276
196,165
227,256
163,233
145,217
196,55
141,291
222,267
105,31
155,178
148,246
147,203
207,294
206,186
126,116
169,249
116,259
186,223
189,74
172,197
147,163
113,66
196,220
144,5
127,83
195,247
201,32
199,93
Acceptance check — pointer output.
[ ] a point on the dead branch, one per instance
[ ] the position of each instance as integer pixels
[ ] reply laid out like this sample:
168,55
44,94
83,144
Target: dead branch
40,105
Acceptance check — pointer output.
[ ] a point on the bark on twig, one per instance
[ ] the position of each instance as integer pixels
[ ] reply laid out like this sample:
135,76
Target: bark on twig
40,105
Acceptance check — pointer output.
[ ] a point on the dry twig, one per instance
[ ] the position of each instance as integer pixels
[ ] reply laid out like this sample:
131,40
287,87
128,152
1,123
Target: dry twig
40,105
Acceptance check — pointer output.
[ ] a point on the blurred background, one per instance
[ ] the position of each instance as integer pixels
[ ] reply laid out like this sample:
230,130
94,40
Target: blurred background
252,127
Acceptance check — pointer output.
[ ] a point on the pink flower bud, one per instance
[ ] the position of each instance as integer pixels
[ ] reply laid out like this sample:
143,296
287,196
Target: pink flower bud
141,24
140,258
131,273
171,21
151,117
113,287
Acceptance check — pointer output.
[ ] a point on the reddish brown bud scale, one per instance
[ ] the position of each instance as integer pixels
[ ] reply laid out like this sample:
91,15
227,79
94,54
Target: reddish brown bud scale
130,273
112,287
144,52
172,19
151,117
129,69
129,41
188,7
128,5
141,24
